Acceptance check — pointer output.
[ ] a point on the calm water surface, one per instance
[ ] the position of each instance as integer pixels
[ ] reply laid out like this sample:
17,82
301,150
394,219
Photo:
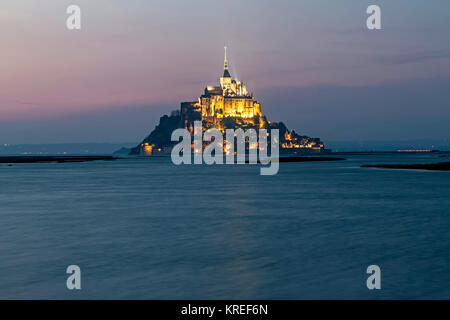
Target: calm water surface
146,229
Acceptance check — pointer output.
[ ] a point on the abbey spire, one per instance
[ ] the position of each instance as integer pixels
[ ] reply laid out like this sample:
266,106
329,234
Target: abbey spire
226,73
225,63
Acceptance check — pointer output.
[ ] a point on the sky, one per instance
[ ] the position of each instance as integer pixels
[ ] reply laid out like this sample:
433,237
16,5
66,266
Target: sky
312,64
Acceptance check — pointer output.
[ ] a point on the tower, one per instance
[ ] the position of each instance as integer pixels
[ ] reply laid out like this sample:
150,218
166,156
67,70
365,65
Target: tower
225,80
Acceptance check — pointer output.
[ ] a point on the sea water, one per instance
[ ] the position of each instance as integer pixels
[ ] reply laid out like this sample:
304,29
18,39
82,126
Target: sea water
143,228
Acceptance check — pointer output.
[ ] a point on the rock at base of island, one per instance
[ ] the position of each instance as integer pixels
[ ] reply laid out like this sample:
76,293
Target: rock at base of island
441,166
309,159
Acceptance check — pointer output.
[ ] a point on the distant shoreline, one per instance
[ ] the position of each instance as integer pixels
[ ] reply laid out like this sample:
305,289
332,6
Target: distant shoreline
59,159
441,166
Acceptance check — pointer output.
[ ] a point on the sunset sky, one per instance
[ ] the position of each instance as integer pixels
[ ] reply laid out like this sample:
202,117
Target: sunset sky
312,64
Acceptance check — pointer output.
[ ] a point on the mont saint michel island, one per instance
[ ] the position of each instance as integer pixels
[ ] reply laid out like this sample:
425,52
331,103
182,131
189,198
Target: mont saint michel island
228,105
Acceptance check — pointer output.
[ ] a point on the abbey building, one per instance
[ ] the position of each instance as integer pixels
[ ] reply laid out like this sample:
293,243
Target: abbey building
228,105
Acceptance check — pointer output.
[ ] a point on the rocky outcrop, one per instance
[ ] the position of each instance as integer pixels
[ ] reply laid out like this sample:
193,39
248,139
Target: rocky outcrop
159,138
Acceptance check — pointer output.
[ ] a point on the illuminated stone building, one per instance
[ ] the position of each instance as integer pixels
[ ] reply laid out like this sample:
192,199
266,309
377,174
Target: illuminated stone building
230,99
228,105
